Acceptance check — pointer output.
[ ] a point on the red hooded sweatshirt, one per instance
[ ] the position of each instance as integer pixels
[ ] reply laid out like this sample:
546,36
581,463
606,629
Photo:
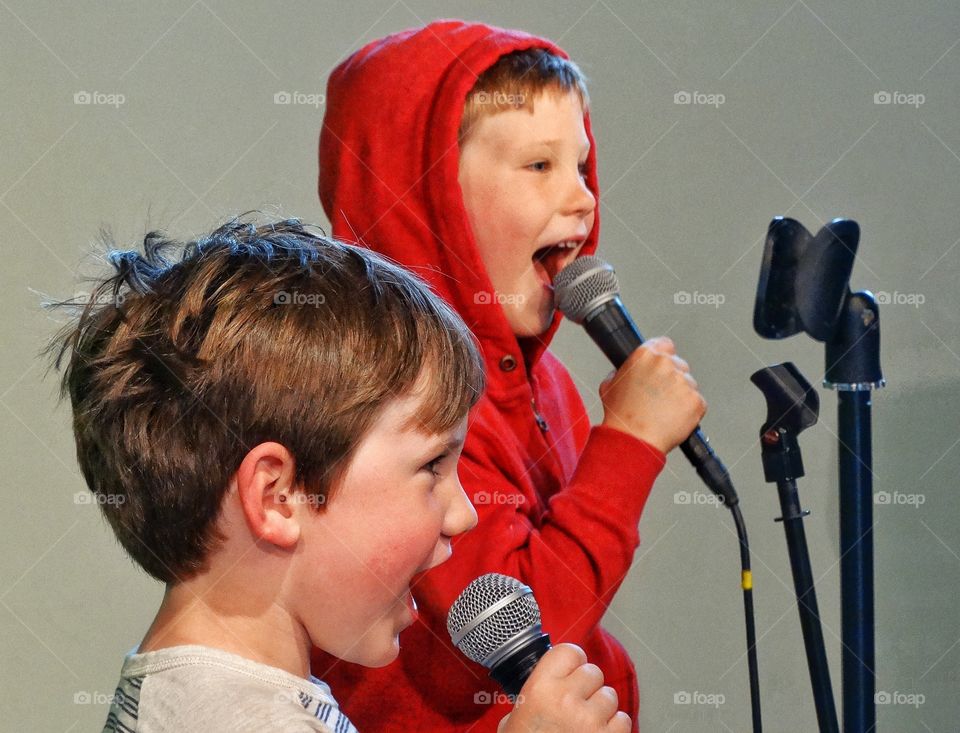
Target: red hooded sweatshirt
558,501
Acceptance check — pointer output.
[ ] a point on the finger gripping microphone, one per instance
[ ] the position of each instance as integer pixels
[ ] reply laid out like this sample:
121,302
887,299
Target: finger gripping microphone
495,622
587,292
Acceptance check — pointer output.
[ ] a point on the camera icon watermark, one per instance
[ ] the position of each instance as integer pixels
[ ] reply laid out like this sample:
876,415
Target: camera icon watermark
683,297
305,99
899,98
696,498
83,697
294,297
498,498
83,297
898,498
914,699
702,99
898,298
98,498
484,297
303,498
483,697
713,699
499,98
105,99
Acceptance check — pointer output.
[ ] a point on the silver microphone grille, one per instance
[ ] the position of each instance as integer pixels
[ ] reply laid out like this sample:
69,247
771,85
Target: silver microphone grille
584,284
490,612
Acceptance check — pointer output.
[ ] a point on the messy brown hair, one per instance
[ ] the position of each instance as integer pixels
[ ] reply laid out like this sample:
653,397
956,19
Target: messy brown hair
516,80
191,354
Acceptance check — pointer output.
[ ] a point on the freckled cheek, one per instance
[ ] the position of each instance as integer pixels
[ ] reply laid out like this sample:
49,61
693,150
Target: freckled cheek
396,561
501,212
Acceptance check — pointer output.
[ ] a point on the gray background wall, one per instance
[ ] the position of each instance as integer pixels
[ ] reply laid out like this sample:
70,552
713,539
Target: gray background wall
688,192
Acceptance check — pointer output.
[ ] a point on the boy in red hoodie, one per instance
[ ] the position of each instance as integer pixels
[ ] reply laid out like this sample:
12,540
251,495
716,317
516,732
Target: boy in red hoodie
464,152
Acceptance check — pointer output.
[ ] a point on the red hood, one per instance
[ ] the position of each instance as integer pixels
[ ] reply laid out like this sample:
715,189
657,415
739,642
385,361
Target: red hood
389,164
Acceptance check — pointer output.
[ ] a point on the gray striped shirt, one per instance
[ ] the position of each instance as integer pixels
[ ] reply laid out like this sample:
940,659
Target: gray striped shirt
198,688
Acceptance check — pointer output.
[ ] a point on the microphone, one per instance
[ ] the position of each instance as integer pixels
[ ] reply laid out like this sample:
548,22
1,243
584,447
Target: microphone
587,292
495,621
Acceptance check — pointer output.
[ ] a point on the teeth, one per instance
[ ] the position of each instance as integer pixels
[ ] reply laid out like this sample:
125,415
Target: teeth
544,251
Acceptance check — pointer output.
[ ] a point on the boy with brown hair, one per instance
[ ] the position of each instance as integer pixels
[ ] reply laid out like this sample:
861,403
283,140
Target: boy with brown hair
465,152
272,421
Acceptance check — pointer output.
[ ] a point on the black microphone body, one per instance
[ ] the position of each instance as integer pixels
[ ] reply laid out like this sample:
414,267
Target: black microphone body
613,330
513,671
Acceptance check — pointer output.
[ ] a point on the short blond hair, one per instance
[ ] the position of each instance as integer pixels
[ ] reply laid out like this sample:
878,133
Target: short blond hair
516,80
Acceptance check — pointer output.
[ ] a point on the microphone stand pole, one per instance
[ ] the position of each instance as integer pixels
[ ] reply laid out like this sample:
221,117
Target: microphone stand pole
792,406
853,369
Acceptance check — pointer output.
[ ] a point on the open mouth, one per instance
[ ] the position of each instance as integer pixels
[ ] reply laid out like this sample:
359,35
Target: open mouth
549,260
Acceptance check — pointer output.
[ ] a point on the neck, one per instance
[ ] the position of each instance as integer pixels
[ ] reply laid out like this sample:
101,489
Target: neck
230,619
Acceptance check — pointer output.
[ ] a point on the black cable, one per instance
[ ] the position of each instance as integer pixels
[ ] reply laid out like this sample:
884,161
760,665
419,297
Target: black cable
746,582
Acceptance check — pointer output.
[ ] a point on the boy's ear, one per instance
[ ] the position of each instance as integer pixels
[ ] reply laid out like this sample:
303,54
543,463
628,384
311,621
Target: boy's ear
266,489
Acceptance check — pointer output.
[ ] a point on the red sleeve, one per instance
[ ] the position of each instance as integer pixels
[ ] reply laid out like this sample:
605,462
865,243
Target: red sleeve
575,551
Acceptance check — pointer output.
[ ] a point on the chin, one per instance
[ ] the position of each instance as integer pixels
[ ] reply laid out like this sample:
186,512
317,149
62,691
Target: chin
385,660
379,657
530,322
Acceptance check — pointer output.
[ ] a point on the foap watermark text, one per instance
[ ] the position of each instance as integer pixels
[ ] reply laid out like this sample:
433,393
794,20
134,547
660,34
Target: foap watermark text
99,99
484,297
702,99
906,99
913,699
898,498
683,297
483,697
301,99
713,699
294,297
697,498
898,298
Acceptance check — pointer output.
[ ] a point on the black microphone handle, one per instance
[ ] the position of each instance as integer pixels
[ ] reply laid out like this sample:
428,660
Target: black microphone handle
513,671
613,330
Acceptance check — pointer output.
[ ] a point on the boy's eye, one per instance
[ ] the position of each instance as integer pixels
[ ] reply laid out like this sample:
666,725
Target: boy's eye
539,166
434,464
583,169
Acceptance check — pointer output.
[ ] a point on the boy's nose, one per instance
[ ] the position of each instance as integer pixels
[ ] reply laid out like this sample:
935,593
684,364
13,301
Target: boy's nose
461,516
580,199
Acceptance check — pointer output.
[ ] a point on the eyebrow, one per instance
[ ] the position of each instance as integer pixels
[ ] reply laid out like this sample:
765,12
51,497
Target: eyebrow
453,443
445,445
553,144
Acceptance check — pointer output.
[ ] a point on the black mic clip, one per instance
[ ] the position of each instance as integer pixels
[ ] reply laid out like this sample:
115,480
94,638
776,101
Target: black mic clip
792,407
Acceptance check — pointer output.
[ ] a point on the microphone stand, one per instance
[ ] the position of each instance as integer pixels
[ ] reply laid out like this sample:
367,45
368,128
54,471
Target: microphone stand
804,286
792,406
853,369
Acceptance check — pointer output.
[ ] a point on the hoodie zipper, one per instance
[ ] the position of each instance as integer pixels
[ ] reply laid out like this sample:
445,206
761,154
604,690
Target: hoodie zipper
541,422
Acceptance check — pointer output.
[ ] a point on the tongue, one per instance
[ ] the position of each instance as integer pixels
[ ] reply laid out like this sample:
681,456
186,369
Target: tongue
542,273
552,261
